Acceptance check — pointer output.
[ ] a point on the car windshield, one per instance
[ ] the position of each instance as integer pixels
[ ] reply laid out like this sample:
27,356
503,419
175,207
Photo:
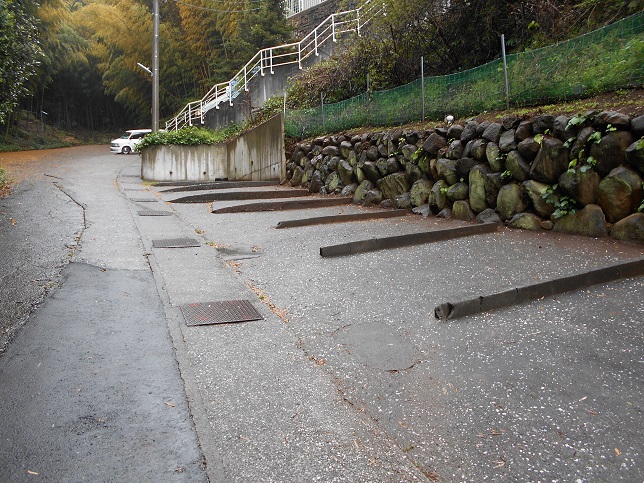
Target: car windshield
126,135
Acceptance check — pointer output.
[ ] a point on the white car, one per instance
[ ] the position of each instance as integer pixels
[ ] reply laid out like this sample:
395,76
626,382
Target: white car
125,144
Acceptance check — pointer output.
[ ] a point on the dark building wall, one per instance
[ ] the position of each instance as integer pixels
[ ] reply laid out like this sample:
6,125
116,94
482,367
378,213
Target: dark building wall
305,21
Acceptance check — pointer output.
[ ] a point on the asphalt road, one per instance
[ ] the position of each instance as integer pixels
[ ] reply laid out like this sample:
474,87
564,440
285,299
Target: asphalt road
89,385
347,376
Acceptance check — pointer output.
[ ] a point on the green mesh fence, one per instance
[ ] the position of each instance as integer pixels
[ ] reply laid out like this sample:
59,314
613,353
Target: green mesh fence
606,59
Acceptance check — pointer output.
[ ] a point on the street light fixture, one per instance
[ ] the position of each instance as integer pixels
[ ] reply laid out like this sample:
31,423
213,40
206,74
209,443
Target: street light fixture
145,68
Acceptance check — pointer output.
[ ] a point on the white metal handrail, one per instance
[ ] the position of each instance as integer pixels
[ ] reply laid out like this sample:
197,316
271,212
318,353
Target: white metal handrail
266,60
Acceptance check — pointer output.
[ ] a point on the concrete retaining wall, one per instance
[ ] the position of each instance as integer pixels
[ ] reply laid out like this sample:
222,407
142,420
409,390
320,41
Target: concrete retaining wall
257,155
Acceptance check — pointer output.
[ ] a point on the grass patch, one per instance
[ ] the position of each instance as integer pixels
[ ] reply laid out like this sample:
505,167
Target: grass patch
189,136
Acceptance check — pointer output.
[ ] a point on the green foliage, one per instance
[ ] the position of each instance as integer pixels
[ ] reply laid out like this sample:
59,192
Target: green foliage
419,155
188,136
569,142
595,137
506,175
564,205
271,107
578,120
20,53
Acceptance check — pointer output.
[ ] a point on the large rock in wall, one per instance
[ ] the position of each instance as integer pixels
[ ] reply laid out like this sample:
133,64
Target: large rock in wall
580,177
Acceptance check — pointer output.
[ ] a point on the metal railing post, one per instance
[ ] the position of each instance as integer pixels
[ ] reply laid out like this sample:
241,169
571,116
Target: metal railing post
333,27
358,21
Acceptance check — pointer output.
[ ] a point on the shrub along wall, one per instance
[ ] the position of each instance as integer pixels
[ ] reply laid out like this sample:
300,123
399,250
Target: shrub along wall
581,175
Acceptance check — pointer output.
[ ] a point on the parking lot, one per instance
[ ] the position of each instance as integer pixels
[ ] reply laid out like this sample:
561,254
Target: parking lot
544,391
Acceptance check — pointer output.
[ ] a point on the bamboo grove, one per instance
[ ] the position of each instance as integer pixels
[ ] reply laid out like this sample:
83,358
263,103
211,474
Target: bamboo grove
77,60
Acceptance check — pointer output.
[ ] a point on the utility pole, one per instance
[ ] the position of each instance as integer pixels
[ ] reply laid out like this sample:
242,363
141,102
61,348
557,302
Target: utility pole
155,67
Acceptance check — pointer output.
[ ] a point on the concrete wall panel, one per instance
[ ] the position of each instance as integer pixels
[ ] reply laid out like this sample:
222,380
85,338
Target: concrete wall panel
257,155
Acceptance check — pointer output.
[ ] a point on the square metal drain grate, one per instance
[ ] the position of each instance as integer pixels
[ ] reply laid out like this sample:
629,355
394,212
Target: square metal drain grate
227,312
175,243
155,213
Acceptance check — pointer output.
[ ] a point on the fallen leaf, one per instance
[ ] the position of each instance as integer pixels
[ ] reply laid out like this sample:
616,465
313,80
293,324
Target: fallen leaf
617,452
500,463
172,405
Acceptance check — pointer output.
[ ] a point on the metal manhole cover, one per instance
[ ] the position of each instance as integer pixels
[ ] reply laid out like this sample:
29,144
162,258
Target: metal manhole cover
175,243
155,213
227,312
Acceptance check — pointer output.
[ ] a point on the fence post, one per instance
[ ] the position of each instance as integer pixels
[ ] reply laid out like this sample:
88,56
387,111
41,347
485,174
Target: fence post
505,73
322,104
422,83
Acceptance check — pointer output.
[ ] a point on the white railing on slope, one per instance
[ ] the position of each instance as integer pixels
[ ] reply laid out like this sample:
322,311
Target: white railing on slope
266,60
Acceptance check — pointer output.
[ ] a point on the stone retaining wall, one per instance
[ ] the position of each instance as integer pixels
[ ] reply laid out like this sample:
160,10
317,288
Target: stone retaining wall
581,175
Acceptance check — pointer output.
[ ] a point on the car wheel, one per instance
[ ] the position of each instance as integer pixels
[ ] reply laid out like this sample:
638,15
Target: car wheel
126,150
